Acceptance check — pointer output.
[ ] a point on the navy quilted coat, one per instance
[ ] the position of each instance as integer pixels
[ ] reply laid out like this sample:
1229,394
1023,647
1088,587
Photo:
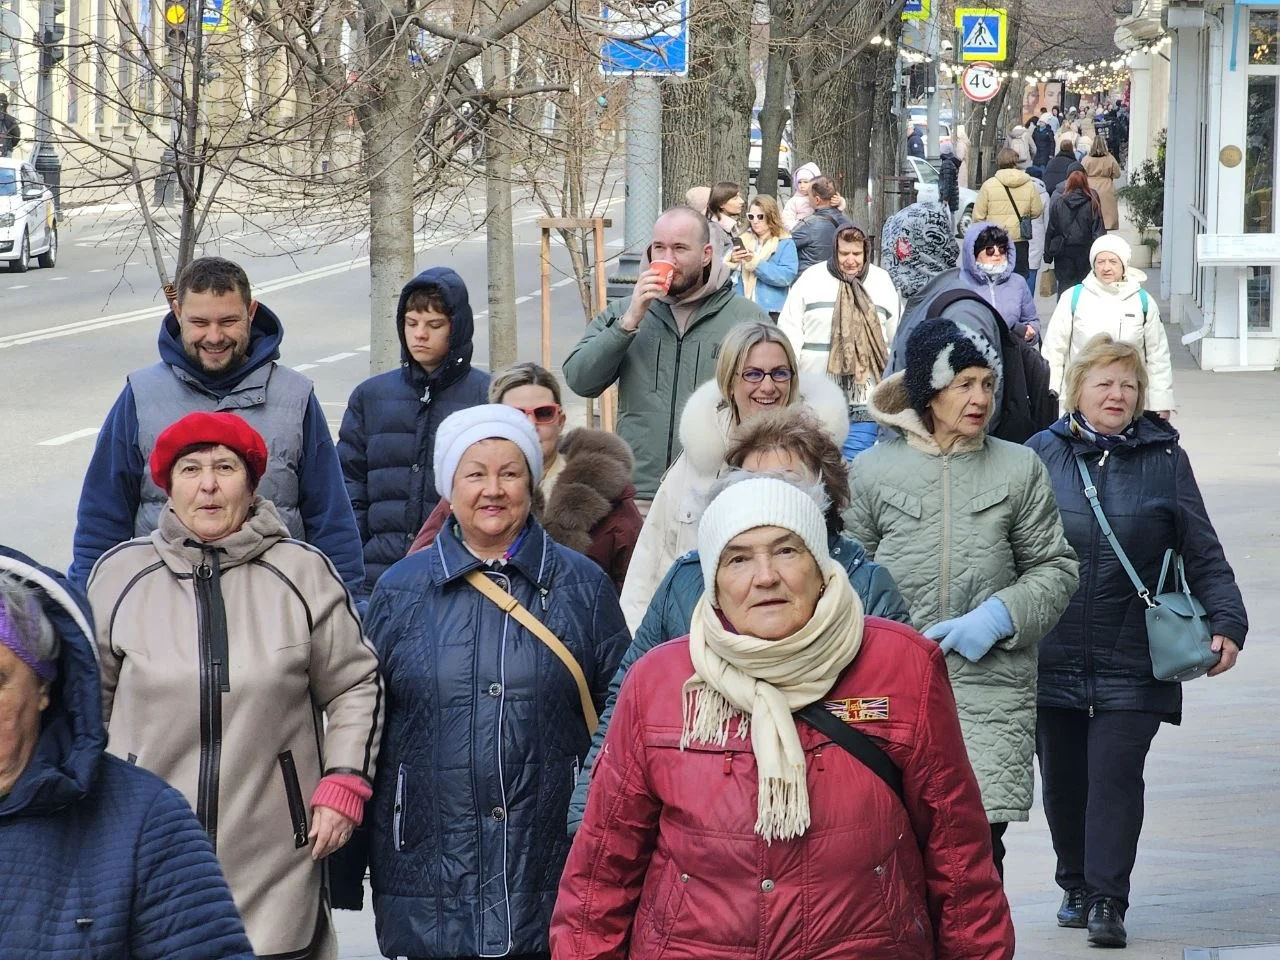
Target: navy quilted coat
387,440
484,737
1097,655
99,858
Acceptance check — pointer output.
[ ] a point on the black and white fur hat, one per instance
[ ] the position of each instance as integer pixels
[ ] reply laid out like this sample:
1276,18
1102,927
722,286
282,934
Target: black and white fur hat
936,352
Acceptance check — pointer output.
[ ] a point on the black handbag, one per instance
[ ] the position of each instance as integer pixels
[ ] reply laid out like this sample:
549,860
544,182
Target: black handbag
1178,633
1024,223
857,743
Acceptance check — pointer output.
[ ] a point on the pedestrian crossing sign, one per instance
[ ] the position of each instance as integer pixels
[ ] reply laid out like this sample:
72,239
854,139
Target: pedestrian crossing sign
983,33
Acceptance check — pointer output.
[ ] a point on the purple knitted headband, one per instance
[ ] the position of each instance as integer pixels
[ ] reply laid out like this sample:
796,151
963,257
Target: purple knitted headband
13,639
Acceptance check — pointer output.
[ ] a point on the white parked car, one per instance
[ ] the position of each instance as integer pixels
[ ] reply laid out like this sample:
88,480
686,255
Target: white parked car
785,154
28,223
926,175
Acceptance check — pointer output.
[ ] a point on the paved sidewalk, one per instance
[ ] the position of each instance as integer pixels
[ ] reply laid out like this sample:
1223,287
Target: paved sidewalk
1208,872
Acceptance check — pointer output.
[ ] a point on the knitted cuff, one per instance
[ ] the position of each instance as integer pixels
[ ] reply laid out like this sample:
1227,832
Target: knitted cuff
345,793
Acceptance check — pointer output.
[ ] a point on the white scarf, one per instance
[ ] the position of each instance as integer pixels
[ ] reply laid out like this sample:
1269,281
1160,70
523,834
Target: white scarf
762,682
761,252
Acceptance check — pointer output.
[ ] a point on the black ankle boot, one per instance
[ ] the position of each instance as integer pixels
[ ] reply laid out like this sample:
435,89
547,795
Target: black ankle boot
1072,911
1106,925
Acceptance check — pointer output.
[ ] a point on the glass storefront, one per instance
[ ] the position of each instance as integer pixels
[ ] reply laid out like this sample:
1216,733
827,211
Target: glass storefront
1260,170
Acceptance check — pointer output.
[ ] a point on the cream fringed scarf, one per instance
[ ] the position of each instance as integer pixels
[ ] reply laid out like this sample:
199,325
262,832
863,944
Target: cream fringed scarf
761,682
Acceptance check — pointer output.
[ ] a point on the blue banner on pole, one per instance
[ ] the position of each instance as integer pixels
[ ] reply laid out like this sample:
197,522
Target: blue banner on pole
645,38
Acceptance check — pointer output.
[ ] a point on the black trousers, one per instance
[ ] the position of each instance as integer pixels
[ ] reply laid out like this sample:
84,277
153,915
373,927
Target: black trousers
997,846
1091,769
1022,262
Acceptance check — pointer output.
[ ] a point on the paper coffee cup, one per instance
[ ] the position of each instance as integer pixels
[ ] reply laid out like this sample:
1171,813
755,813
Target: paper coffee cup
664,270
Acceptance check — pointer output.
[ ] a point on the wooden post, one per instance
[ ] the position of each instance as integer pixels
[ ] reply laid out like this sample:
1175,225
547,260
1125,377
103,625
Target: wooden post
597,225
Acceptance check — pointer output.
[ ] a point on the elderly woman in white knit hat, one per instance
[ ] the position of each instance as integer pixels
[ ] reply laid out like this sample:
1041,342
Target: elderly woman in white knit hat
1111,300
789,780
497,646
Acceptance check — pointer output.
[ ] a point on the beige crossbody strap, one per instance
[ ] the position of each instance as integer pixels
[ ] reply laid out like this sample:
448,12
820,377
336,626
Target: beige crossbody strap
510,605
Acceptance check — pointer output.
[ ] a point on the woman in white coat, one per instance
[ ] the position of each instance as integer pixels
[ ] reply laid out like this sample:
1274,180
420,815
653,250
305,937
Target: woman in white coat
1111,300
852,301
756,372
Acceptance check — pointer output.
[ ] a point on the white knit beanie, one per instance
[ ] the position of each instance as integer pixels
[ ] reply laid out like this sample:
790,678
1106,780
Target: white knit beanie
758,502
486,422
1111,243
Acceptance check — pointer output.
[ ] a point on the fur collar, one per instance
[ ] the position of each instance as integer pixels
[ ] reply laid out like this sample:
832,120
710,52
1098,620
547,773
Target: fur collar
889,406
596,475
706,431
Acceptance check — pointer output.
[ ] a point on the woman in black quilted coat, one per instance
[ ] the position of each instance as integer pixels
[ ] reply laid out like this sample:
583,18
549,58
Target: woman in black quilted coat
1099,704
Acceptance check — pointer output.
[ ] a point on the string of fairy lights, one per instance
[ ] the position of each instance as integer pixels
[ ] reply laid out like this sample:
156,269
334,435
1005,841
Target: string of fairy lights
1093,75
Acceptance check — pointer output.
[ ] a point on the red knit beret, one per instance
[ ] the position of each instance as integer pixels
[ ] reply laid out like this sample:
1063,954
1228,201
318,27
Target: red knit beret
216,428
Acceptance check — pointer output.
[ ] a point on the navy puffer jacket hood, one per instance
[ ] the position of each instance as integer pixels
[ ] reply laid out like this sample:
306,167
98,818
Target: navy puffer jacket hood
98,857
1097,654
462,327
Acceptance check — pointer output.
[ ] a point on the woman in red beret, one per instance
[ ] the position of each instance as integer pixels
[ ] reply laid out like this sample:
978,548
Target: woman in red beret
225,647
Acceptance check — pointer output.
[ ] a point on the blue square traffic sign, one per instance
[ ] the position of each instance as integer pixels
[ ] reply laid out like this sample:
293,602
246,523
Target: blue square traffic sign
645,37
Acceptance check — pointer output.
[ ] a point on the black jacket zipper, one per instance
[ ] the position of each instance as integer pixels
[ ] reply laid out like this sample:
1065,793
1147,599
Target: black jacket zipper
293,793
1090,686
214,681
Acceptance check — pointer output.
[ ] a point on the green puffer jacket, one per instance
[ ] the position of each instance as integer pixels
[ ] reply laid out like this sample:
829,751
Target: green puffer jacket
955,529
656,369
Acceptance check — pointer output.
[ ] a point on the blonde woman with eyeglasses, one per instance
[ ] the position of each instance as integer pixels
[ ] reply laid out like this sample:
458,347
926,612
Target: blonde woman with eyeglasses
766,264
756,372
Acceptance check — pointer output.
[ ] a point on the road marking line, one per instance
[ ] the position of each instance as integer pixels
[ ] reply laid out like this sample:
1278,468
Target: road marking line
335,357
19,286
98,270
565,282
69,437
305,366
365,349
59,278
520,300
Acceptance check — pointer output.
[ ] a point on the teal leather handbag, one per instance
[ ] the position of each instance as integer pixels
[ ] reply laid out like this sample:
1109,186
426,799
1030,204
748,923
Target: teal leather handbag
1178,633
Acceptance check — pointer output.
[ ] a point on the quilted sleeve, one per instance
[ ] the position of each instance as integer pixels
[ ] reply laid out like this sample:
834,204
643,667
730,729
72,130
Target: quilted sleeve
182,909
1045,563
860,520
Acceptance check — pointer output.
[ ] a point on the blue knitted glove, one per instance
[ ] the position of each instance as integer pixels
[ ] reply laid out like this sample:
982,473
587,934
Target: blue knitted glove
976,632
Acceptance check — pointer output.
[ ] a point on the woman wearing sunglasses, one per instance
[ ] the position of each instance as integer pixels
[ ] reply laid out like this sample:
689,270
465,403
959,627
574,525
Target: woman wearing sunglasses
756,372
585,499
766,265
987,268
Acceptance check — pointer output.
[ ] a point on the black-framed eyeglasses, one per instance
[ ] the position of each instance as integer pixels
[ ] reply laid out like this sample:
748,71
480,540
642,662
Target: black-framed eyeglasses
756,375
756,216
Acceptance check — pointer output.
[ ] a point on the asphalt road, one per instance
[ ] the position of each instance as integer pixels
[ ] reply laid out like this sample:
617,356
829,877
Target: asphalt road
69,335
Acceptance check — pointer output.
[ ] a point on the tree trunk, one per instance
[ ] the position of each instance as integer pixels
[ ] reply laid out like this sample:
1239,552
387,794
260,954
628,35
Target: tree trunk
499,230
685,145
773,115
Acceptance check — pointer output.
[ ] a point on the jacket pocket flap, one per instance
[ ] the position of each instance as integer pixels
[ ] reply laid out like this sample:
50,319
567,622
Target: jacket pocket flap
669,737
989,499
906,502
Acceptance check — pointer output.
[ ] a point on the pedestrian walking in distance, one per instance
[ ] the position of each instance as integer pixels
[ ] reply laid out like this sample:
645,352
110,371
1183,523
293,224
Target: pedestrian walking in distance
1099,706
98,857
967,525
486,725
815,237
235,668
1103,170
1075,222
219,351
1111,300
723,803
660,344
724,207
756,373
840,317
1007,199
784,442
766,265
389,428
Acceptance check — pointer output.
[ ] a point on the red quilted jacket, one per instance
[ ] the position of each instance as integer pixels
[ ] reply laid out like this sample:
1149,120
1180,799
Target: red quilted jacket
667,863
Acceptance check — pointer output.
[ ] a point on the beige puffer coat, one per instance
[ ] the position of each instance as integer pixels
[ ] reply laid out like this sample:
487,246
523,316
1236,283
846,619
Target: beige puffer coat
295,651
955,529
993,203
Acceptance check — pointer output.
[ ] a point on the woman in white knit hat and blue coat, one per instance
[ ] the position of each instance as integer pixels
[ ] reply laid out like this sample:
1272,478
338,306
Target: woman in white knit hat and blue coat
1111,300
728,815
485,724
969,528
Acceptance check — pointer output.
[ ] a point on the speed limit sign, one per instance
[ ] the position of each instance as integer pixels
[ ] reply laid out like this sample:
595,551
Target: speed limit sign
981,82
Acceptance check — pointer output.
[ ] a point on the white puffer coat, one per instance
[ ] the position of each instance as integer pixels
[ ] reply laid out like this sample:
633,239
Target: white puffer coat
706,433
1119,313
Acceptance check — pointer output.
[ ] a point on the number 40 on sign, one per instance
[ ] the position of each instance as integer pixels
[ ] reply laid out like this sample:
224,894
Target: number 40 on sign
980,82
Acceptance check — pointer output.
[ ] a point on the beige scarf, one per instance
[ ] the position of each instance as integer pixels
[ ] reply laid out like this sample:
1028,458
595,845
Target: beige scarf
858,352
762,682
760,254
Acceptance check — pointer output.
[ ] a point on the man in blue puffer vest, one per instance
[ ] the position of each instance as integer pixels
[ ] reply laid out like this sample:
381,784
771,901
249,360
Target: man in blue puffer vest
98,857
387,440
219,351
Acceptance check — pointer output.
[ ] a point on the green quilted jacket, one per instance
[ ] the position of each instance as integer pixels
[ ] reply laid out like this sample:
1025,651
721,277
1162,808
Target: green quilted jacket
954,529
